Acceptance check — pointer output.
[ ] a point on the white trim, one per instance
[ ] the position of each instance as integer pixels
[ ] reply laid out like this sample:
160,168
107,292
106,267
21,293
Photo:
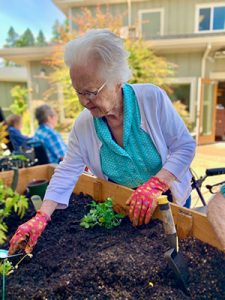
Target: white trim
210,5
193,93
142,11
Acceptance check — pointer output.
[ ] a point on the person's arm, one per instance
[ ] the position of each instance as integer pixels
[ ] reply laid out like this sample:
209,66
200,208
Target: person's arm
57,196
216,215
170,128
166,176
48,207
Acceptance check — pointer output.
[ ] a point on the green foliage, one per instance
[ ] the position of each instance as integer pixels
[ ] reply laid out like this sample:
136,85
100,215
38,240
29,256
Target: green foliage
146,66
101,214
10,201
19,95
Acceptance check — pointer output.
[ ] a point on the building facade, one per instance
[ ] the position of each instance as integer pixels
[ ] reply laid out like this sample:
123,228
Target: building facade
190,34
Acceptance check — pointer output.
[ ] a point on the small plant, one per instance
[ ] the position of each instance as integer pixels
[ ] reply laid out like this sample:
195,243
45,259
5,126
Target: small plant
10,200
101,214
7,268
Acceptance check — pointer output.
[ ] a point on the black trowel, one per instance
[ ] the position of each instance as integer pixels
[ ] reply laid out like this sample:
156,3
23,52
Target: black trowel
173,256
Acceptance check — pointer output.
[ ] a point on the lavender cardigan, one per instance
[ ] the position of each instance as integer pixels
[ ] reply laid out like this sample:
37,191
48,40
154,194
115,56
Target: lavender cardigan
158,118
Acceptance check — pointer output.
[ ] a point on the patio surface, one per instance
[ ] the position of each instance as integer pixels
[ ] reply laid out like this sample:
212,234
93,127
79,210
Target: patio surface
208,156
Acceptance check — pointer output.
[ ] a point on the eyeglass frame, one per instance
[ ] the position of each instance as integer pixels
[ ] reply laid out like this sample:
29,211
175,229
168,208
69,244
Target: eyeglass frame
91,95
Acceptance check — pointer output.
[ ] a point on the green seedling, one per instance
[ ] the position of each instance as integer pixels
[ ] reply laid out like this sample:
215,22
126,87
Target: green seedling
102,214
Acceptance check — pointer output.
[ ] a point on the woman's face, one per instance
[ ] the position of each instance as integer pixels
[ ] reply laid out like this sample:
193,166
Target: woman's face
93,91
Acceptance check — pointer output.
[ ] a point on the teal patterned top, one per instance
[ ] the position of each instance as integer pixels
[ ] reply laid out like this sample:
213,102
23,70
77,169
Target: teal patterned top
138,160
222,190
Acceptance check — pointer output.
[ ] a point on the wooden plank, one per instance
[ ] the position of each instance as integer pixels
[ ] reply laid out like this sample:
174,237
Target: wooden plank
188,222
26,175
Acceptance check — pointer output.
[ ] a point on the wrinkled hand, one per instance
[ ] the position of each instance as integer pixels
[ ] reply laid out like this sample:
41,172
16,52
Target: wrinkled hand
28,233
143,201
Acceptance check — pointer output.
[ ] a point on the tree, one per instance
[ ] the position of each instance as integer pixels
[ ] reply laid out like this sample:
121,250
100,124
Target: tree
12,38
41,39
26,39
19,95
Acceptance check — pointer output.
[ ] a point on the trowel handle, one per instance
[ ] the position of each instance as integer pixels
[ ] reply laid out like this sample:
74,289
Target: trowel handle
168,222
167,216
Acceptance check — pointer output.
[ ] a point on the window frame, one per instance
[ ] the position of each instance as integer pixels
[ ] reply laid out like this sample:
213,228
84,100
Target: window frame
151,10
211,6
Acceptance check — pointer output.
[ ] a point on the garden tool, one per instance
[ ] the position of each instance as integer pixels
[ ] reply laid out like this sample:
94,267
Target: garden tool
173,256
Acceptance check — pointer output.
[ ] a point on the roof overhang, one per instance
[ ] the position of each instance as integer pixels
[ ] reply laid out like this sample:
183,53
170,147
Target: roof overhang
13,74
26,54
190,44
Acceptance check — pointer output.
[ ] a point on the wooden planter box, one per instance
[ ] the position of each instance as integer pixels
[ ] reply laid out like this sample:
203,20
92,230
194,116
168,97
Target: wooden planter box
188,222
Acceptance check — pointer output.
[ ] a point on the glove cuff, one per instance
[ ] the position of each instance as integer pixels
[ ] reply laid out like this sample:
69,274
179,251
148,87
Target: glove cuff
158,184
42,215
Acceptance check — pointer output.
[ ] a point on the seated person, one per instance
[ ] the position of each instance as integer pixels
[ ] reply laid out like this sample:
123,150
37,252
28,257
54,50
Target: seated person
17,139
52,140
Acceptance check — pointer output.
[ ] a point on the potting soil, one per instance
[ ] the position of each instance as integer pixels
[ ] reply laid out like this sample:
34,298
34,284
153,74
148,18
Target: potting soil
71,262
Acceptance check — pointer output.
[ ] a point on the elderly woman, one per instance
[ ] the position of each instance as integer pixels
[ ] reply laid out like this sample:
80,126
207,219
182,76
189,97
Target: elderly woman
128,134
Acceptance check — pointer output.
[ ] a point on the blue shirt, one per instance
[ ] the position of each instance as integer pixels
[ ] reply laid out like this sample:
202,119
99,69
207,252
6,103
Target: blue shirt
52,141
138,160
17,138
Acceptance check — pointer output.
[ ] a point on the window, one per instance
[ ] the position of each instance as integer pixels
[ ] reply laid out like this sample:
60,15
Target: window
211,18
180,92
151,23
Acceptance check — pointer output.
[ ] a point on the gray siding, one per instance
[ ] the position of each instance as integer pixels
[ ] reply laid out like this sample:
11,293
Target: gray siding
179,15
187,64
39,85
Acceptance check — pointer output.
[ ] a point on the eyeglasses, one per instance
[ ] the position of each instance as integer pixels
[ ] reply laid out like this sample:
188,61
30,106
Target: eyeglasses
91,95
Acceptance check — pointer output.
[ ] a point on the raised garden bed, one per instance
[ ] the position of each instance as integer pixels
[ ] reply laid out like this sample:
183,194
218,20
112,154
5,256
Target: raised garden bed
71,262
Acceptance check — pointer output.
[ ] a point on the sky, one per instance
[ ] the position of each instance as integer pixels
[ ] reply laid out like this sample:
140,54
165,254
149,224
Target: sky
22,14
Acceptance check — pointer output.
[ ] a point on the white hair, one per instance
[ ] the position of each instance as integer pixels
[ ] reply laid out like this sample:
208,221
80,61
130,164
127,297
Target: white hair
104,47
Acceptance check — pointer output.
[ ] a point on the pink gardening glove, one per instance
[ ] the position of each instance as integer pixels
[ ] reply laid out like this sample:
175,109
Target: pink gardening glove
143,201
28,233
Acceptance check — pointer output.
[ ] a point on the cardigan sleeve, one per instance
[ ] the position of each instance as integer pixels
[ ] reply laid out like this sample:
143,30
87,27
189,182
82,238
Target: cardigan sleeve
181,145
67,173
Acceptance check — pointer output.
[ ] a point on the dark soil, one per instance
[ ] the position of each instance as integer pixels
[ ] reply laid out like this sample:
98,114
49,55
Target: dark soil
71,262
